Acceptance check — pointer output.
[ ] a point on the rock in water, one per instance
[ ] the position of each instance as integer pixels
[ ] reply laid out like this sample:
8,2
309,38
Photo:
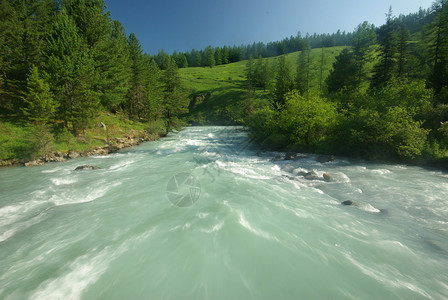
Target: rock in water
325,158
311,175
347,202
87,167
327,177
34,163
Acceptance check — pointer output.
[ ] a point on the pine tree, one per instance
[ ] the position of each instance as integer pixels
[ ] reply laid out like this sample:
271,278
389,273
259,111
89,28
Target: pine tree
218,56
209,57
40,104
343,76
183,62
385,70
114,68
72,74
91,19
261,73
302,79
402,51
173,101
439,48
363,38
283,82
24,30
152,107
225,55
137,91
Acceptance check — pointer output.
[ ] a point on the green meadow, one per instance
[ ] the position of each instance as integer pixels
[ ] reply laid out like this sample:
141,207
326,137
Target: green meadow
219,94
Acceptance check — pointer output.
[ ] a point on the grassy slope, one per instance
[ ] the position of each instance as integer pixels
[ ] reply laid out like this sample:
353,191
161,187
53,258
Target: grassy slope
220,97
16,140
220,92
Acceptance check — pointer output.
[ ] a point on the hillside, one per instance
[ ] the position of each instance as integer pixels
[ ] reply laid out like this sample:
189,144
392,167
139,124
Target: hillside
218,94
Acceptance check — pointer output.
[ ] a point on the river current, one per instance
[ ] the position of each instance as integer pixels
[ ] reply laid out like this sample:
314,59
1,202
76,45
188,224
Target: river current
202,214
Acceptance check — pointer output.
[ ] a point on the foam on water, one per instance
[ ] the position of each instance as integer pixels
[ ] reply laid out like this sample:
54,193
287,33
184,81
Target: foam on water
259,228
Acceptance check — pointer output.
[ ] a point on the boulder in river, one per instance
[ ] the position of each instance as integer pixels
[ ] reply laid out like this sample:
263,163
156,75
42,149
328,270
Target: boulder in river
311,175
87,167
327,177
347,202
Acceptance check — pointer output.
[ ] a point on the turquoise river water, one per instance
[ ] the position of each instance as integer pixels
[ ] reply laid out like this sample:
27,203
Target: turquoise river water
202,215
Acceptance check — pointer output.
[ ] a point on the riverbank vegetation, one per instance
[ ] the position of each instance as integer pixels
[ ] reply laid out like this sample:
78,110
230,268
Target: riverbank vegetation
386,96
67,68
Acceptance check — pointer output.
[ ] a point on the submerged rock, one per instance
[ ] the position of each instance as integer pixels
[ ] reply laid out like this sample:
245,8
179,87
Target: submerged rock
325,158
87,167
347,202
311,175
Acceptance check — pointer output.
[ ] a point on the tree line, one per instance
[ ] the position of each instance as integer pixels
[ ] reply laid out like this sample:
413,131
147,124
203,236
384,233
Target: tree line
214,56
63,61
385,97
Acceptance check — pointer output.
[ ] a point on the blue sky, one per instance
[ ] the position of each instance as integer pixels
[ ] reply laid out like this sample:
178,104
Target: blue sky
183,25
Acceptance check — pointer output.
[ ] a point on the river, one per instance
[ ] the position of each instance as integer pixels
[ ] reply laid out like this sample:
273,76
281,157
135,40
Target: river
202,214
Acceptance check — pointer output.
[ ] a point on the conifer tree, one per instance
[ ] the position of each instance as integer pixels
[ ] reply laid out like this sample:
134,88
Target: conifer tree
40,104
302,79
24,30
114,68
225,55
218,56
72,74
385,70
403,37
283,82
173,101
137,90
209,57
363,38
152,108
438,35
343,76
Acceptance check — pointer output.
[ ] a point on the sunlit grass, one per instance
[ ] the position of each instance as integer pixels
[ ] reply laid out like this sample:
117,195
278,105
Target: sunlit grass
221,91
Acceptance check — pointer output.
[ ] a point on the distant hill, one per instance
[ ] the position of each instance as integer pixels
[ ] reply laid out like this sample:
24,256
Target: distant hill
218,94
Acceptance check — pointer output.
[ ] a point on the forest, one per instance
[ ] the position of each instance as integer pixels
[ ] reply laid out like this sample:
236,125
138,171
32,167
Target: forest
62,63
66,65
386,96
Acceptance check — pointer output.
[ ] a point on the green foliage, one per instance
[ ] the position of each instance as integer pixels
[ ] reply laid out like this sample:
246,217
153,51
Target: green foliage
344,76
174,101
283,82
137,91
72,74
209,57
307,119
437,39
302,79
40,105
113,65
385,69
363,39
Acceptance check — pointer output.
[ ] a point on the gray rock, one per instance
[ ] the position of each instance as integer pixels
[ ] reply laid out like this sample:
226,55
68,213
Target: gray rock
311,175
87,167
347,202
73,154
34,163
325,158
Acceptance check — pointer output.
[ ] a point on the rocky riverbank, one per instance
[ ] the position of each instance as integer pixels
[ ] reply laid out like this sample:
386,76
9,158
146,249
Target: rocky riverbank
133,138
